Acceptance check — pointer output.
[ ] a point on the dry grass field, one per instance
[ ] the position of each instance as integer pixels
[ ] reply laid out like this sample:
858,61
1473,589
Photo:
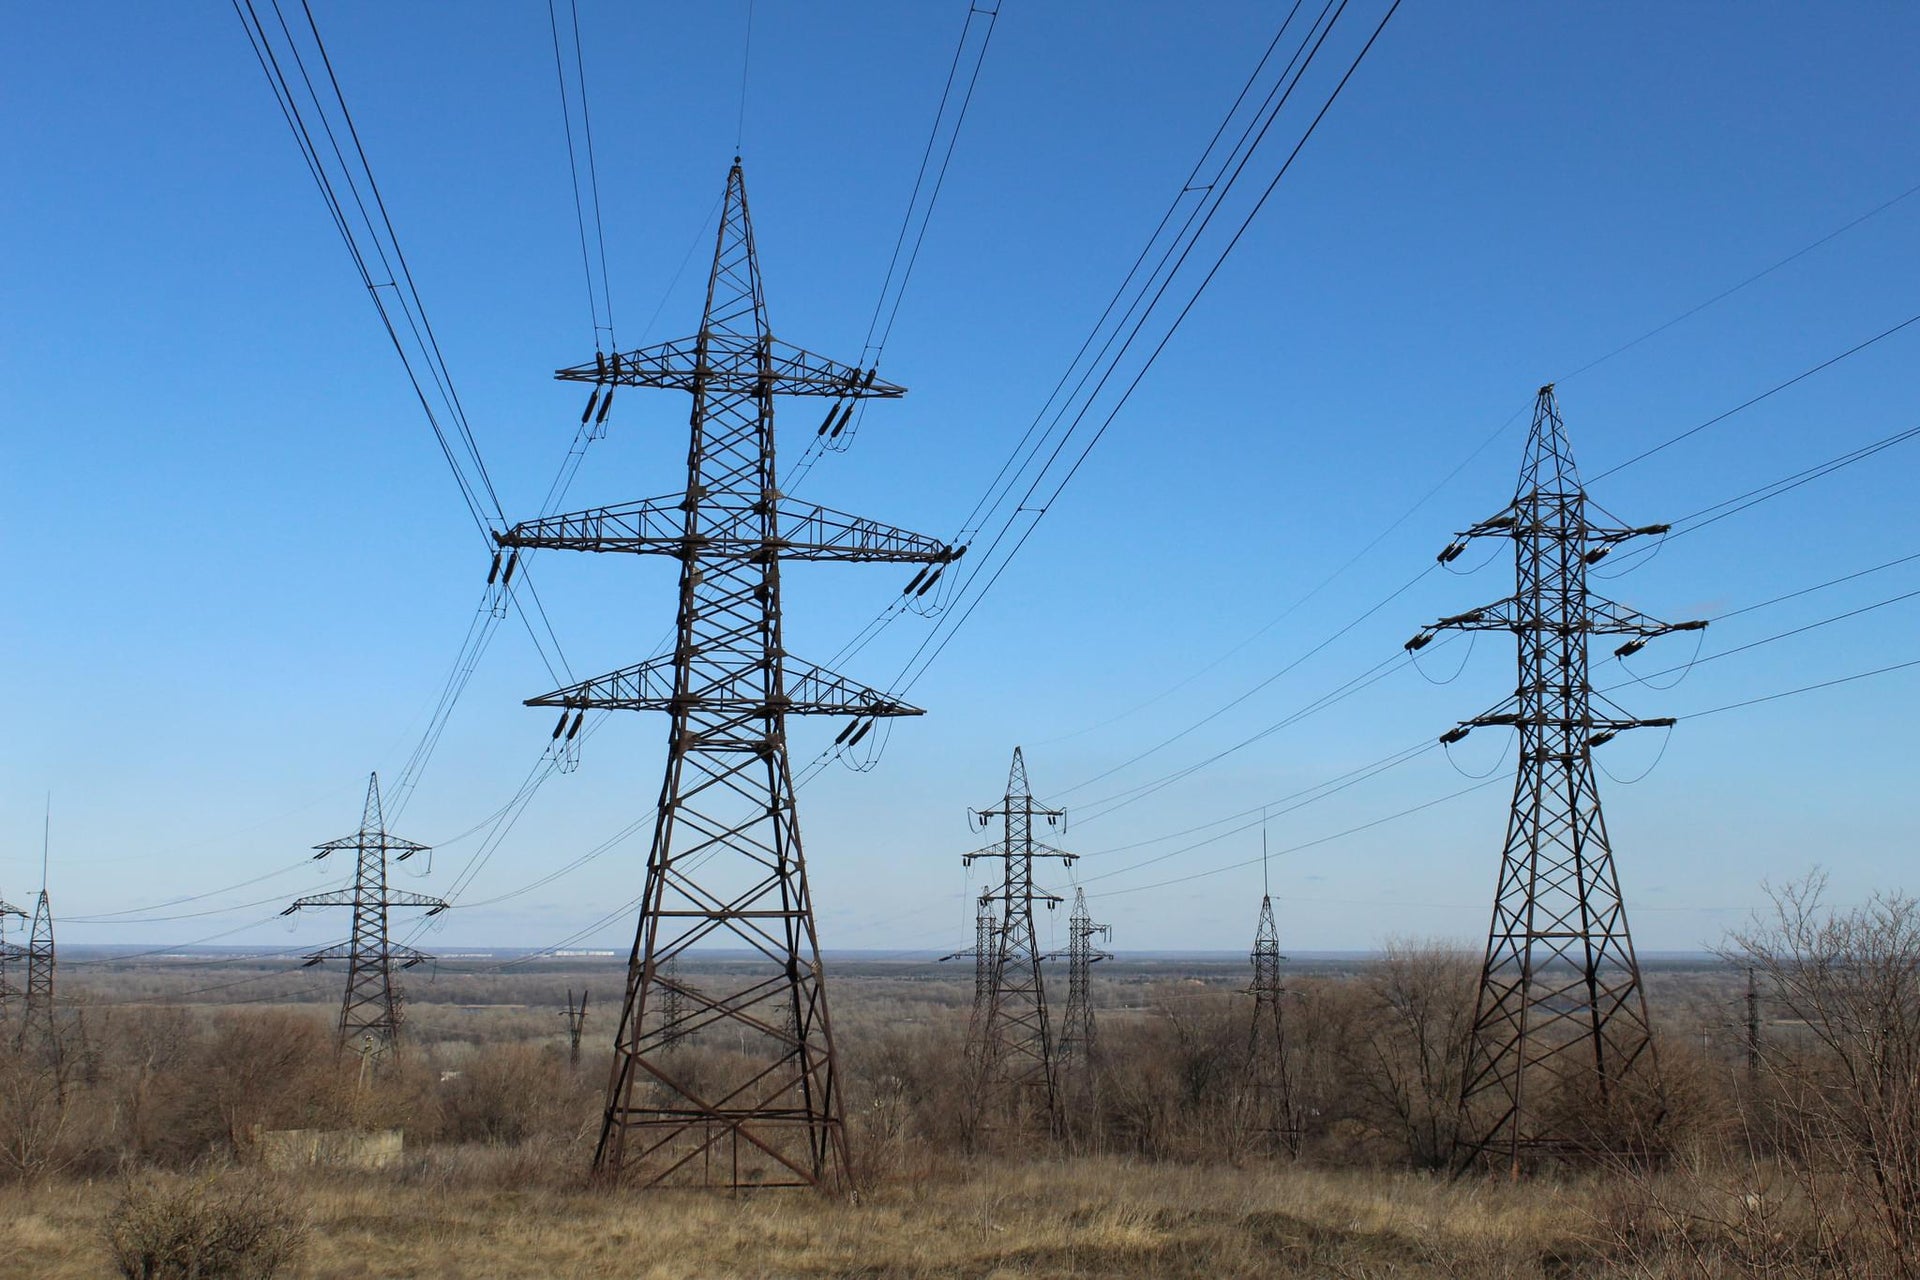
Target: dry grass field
129,1141
1080,1218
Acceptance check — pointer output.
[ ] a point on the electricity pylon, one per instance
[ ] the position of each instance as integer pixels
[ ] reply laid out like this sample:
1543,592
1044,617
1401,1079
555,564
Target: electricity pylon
370,1010
40,957
39,1003
1560,1025
576,1016
985,921
1016,1073
726,863
673,1003
1077,1033
11,955
1269,1083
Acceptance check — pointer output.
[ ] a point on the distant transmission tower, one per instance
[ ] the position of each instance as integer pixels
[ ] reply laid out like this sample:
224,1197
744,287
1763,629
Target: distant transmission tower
673,1004
576,1017
1015,1070
39,1008
12,954
1077,1034
1561,1021
986,920
726,864
40,958
1269,1082
370,1011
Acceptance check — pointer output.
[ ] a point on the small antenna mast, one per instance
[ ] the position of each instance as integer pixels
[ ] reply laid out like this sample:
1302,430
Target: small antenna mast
1266,887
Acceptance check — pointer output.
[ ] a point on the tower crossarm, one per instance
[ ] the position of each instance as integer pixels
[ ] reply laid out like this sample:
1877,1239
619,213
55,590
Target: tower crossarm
1599,730
733,366
400,954
730,528
1604,617
1600,617
1513,521
1026,807
1033,849
1501,615
1499,525
649,686
346,898
401,849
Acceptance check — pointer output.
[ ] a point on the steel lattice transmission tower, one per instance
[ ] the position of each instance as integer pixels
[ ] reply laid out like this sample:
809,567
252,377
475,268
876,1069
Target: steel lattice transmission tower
1077,1033
40,961
1560,1028
725,868
11,955
370,1010
985,927
576,1016
1016,1071
986,922
1269,1082
673,1003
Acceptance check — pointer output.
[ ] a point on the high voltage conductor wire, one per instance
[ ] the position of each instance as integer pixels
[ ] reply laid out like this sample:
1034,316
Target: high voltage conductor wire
1307,796
1805,688
1764,395
390,255
1365,772
1001,487
1726,507
1731,706
1263,684
1307,844
923,656
1482,447
1757,276
929,650
601,296
871,350
1686,524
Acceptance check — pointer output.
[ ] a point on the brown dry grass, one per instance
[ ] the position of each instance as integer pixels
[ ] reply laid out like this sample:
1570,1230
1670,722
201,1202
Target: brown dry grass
1081,1218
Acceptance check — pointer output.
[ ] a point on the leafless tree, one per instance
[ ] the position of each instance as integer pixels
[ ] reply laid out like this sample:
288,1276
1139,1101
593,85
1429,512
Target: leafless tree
1851,1103
1406,1045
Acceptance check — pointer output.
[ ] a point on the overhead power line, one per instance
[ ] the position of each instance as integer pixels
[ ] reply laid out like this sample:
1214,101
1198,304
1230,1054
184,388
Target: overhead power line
1480,448
1042,454
302,77
1770,392
586,204
838,432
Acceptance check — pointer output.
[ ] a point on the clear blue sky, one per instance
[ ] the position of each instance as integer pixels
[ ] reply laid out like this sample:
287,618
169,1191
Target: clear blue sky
238,568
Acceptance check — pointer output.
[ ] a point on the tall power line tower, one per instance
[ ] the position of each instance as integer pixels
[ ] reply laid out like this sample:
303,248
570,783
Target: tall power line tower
1269,1081
1016,1072
1076,1032
1560,1025
370,1010
725,867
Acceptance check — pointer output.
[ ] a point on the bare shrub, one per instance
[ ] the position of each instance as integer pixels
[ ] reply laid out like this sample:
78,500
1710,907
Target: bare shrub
271,1069
511,1094
205,1227
36,1120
